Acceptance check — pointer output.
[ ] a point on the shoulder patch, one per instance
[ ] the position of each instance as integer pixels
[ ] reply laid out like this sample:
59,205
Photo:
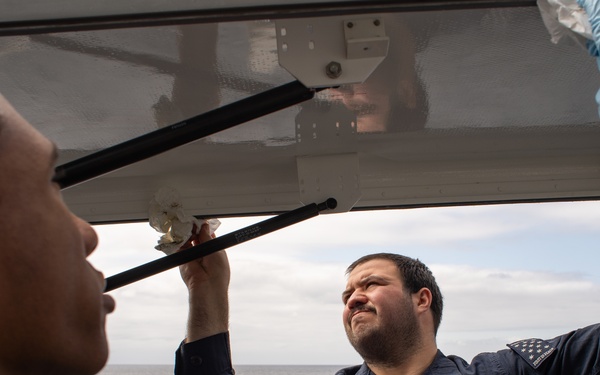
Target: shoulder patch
533,351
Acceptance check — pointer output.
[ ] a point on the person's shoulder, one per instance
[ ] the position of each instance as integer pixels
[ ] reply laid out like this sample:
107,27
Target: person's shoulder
579,348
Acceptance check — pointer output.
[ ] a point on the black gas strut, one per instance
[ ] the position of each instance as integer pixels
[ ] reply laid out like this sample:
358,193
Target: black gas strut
167,138
216,244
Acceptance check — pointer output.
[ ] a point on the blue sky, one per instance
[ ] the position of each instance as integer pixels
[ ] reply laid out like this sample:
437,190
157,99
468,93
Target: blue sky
507,272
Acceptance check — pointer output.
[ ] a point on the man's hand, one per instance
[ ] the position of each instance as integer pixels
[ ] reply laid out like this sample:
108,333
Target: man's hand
207,280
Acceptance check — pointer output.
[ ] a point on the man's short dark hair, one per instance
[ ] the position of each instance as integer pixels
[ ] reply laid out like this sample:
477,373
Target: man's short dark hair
414,275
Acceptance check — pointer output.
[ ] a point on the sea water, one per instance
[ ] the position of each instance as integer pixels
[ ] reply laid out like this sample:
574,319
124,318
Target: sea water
239,370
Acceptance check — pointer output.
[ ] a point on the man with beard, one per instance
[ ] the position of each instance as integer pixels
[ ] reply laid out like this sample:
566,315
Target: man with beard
391,320
393,309
392,312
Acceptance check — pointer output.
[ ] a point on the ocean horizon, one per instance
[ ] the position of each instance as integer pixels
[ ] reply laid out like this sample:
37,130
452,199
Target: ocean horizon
239,369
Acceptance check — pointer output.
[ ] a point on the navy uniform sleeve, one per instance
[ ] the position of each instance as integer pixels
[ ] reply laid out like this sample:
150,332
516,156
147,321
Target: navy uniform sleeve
208,356
577,352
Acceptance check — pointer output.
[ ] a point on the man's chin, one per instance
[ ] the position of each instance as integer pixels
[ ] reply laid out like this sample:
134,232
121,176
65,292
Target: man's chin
360,331
359,327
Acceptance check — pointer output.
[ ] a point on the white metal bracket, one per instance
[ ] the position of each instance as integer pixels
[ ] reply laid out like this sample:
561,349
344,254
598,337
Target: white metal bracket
327,158
330,51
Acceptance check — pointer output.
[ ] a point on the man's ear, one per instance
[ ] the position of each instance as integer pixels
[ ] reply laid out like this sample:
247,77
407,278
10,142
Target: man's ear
423,299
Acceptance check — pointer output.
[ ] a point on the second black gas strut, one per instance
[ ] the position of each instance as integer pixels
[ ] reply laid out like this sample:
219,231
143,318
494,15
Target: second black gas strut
216,244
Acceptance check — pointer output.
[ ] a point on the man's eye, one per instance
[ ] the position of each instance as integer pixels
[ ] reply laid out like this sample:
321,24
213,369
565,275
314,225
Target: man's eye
346,297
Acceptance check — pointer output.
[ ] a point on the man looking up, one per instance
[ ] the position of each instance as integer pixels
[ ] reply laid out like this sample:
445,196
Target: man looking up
391,324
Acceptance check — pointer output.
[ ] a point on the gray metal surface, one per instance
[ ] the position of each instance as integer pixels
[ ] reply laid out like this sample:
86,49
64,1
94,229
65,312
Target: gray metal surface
469,106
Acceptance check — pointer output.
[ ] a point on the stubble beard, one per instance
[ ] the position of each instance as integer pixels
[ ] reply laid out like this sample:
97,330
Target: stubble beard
389,343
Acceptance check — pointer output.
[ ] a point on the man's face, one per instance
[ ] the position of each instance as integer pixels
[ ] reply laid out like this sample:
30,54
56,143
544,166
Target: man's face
379,315
53,310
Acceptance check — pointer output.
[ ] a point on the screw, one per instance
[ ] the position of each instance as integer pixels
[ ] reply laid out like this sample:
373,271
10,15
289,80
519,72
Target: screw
349,25
333,69
376,22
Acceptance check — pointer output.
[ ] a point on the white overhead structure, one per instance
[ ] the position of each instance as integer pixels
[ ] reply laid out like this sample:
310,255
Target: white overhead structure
470,106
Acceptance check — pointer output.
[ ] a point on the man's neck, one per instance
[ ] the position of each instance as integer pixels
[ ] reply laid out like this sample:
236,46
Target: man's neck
416,364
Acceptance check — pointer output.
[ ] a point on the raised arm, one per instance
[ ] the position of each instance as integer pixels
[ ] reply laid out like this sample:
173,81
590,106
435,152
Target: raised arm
206,346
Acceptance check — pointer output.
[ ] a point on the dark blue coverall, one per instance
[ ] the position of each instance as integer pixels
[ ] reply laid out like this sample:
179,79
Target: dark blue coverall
576,353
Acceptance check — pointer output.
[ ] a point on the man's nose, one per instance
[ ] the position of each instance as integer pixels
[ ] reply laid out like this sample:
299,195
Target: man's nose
89,235
356,299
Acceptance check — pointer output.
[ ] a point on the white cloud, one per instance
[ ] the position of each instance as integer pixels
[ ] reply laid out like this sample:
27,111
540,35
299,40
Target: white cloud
569,216
485,309
287,308
399,228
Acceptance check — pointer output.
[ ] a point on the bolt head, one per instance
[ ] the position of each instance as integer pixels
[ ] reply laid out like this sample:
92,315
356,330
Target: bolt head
333,69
